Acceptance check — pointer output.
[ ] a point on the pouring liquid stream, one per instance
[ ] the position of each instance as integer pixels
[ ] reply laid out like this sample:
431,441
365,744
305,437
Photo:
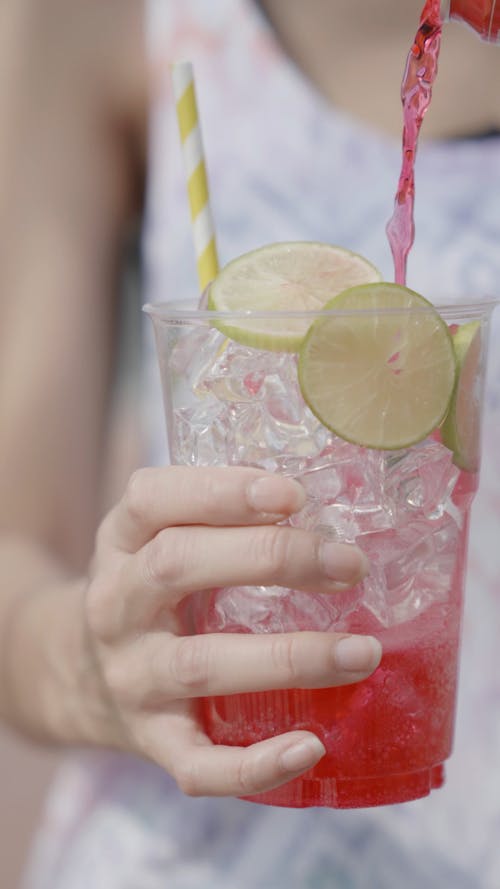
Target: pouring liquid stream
483,16
416,94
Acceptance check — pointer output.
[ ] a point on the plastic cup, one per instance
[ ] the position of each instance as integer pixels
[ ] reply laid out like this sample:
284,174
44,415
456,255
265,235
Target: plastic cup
387,737
483,16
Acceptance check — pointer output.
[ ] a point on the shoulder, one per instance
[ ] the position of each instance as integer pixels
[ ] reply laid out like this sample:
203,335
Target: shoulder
68,60
94,45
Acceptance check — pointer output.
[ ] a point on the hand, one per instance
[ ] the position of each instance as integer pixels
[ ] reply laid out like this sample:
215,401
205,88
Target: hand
178,530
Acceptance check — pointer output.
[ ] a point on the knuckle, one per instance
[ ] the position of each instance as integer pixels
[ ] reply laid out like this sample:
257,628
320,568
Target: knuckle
190,664
135,498
284,659
187,779
116,676
100,606
207,483
274,548
209,490
166,559
102,536
246,775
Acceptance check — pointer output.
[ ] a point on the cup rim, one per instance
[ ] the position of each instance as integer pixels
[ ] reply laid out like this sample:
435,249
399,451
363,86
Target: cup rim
190,311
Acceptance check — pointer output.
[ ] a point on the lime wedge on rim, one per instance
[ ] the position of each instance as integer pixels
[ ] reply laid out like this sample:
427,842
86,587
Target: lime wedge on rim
380,371
461,429
291,276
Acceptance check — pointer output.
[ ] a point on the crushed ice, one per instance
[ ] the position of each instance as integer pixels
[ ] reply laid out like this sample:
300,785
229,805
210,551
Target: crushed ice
244,406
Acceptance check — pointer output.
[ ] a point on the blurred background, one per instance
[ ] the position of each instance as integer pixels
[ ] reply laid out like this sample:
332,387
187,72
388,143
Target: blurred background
25,773
26,769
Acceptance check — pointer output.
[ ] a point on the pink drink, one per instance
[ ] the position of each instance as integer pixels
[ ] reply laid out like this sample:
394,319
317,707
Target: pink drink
416,93
387,737
380,734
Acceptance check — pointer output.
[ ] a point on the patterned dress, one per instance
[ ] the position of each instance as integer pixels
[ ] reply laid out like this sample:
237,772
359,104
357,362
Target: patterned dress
284,164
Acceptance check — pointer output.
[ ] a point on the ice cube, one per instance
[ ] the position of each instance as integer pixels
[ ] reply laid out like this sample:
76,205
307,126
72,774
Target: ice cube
199,436
236,373
412,567
241,373
351,523
422,479
322,482
245,422
262,407
275,609
193,353
361,505
345,493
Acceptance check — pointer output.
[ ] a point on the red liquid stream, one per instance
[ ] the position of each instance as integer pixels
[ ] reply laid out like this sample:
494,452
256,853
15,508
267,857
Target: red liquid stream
416,93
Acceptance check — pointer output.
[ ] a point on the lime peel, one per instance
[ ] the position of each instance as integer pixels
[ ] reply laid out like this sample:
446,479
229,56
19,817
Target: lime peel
460,431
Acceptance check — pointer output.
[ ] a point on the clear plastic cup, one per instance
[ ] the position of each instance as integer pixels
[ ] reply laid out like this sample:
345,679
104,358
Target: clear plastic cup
483,16
387,737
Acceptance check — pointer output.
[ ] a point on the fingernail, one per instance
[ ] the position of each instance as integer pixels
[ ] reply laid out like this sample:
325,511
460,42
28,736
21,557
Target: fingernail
302,755
343,562
276,495
357,654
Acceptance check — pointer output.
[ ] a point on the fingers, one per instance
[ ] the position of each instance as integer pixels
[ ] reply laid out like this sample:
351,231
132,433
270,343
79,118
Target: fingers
180,495
181,560
209,770
160,668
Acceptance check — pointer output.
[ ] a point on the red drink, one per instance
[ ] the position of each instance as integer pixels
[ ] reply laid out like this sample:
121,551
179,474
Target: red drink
387,737
416,93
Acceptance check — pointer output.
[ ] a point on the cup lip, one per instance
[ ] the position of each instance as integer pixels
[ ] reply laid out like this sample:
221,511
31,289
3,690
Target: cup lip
189,311
445,10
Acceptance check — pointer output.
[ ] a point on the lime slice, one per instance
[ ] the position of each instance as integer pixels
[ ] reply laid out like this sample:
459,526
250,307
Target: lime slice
294,276
460,431
380,371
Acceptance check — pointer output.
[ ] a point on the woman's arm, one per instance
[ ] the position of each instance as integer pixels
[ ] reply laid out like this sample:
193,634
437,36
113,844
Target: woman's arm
72,113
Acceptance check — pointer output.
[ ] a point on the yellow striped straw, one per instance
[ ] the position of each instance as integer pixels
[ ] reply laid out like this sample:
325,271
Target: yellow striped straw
194,161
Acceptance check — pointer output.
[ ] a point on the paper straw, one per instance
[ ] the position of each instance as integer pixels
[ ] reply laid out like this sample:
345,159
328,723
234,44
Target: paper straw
194,161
